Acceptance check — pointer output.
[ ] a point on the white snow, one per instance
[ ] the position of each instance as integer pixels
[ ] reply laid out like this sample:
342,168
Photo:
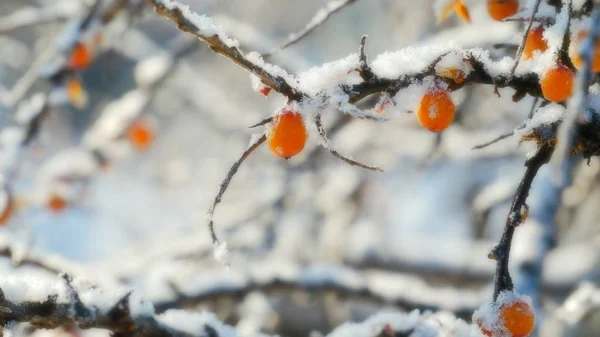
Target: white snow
116,117
149,71
30,108
489,316
206,26
543,117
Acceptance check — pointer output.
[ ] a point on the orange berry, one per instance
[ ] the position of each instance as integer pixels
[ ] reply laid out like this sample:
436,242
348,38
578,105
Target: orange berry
453,73
265,91
56,203
501,9
436,110
462,11
140,135
557,83
81,57
576,57
7,212
518,318
76,93
287,134
535,41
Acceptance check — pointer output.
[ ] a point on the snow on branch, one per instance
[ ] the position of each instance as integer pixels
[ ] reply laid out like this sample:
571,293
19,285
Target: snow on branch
204,28
47,305
401,290
392,72
64,302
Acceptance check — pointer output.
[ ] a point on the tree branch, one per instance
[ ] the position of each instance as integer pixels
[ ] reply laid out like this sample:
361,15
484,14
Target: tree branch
517,214
220,44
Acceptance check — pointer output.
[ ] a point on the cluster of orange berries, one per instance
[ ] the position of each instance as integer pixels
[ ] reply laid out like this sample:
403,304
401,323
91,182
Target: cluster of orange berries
516,319
80,58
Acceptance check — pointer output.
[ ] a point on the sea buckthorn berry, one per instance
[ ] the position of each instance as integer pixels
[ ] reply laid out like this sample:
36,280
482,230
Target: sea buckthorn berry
8,211
557,83
76,93
436,110
535,42
265,91
140,135
518,318
501,9
462,11
81,57
287,134
576,57
454,73
56,203
457,6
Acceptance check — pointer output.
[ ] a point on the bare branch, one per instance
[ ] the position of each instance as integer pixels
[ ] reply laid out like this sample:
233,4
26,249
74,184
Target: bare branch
516,215
254,144
318,19
327,145
263,122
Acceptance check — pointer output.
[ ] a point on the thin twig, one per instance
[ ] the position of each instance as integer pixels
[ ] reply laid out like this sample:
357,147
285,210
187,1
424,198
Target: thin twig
516,215
318,19
493,141
536,7
225,184
263,122
532,110
365,71
510,133
327,145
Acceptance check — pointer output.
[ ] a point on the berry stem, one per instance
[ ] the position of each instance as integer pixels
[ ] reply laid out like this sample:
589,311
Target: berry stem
502,279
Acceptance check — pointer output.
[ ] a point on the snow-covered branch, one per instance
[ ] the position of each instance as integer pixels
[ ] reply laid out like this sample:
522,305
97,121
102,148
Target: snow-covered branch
401,290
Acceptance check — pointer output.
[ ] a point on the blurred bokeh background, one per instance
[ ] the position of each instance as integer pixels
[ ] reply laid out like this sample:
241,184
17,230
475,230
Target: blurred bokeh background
416,236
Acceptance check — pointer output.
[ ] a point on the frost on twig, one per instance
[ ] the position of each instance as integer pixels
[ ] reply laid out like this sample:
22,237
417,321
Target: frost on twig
318,19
